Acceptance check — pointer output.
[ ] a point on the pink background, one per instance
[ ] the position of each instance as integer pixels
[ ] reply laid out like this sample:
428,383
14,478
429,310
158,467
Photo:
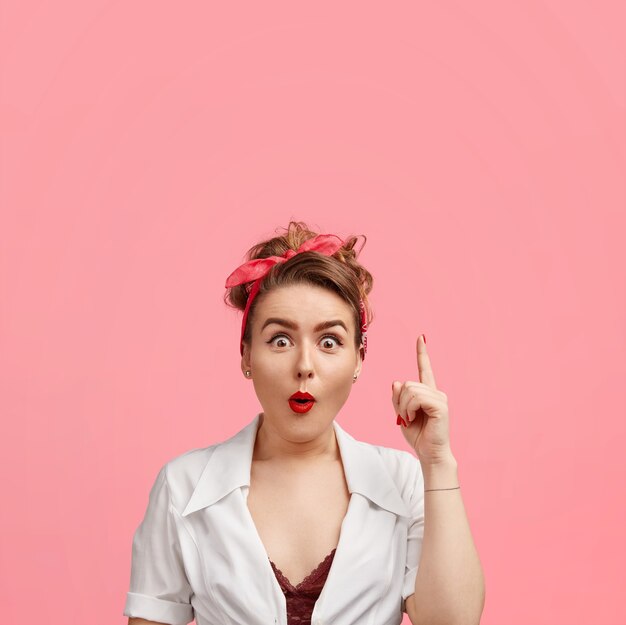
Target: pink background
481,149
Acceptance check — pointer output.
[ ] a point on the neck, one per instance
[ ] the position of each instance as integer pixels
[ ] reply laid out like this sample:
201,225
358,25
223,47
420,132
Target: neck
271,445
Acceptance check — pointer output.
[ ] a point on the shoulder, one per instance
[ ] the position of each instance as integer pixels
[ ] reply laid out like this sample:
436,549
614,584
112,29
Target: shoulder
182,473
403,466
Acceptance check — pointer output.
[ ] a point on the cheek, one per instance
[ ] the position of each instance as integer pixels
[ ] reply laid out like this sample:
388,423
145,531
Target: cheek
266,392
340,384
344,369
269,370
269,376
266,364
338,372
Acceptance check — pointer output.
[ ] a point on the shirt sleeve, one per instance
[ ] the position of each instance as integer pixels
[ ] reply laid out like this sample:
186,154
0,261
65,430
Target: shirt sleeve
159,588
415,535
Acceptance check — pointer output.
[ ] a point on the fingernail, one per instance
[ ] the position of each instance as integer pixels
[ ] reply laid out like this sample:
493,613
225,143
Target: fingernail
400,420
424,337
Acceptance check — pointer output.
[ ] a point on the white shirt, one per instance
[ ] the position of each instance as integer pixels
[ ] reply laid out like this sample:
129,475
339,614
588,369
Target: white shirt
197,553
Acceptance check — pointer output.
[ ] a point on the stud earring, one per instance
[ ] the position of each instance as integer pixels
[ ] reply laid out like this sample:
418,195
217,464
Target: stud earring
248,373
354,378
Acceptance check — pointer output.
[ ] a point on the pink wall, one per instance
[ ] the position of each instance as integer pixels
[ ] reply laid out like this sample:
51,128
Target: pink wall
481,149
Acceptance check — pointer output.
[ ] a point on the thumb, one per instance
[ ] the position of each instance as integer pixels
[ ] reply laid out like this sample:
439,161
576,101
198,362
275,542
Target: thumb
395,395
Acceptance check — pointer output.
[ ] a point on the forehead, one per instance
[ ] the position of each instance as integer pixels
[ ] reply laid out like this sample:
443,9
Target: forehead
304,303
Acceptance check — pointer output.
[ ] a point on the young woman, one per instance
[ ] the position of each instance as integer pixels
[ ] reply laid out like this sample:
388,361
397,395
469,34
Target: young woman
292,520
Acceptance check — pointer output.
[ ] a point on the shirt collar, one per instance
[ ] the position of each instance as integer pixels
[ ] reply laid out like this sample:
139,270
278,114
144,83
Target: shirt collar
229,466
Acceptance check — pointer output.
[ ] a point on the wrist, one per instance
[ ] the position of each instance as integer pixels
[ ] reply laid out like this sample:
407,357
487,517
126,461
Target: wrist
441,474
444,458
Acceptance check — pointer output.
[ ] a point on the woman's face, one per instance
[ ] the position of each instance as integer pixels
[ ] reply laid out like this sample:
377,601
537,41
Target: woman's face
294,355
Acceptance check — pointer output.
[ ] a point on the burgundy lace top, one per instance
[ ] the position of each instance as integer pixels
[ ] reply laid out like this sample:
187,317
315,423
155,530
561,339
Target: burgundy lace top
301,598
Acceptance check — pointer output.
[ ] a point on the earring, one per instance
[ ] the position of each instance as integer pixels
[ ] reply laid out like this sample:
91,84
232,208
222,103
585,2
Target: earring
354,378
248,373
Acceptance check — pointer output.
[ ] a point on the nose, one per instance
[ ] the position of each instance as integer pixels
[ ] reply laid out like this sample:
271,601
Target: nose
304,365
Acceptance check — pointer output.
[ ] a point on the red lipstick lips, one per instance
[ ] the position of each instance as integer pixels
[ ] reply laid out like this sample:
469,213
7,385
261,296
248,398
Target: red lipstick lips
301,402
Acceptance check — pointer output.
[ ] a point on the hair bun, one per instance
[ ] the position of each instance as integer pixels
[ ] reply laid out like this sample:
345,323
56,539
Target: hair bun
342,273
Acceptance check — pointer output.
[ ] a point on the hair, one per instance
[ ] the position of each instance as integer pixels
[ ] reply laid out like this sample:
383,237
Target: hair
340,273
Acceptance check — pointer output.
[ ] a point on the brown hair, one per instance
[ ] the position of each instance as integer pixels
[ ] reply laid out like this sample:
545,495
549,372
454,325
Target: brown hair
341,273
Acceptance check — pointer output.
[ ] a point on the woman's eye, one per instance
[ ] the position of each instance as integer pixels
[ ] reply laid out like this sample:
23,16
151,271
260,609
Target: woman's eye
281,336
332,337
325,339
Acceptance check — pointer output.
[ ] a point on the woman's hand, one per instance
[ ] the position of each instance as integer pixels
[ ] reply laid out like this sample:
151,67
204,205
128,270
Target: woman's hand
425,411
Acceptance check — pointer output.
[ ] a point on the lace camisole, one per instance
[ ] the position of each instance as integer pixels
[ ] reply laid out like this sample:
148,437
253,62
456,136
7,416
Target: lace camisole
301,598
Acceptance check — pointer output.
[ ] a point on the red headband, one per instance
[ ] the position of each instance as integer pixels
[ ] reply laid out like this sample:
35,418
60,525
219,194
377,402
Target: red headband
255,270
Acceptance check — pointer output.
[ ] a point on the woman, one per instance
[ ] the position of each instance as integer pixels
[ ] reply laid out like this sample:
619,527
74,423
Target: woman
292,520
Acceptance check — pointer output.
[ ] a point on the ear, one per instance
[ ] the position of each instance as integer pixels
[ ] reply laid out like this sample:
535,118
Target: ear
359,360
245,358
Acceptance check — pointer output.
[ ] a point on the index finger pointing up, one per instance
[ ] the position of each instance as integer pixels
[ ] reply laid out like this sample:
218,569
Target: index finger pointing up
423,364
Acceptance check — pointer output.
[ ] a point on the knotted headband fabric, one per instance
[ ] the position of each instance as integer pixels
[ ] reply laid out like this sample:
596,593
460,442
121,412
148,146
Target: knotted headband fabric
255,270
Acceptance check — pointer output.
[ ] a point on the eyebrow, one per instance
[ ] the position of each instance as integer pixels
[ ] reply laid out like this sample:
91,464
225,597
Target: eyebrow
294,326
